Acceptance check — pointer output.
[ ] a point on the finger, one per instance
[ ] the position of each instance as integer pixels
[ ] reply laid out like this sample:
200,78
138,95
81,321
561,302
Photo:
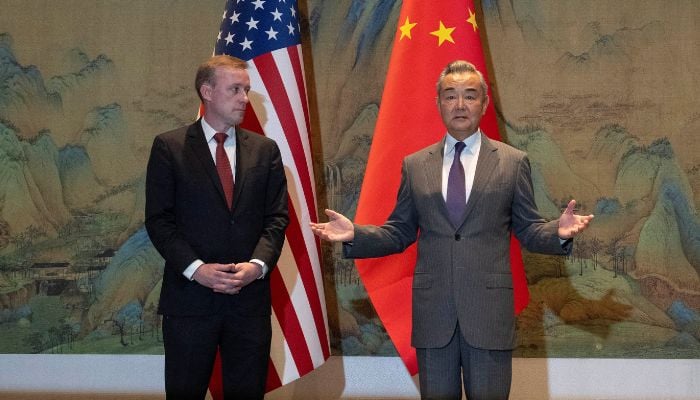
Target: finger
222,276
570,207
317,228
332,215
221,288
221,267
585,219
237,283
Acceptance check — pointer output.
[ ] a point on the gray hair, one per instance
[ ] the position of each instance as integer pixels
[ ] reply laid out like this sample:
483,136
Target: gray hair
461,67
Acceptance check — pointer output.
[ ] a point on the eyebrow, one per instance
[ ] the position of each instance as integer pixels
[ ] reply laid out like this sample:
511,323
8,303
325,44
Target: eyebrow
453,89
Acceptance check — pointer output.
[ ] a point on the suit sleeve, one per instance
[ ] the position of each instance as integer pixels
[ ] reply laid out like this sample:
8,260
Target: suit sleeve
533,231
276,213
160,209
397,233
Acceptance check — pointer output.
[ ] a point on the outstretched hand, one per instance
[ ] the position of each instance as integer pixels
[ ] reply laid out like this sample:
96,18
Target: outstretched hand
338,228
571,224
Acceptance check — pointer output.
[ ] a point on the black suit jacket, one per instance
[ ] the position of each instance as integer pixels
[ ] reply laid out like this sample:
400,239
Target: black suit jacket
187,217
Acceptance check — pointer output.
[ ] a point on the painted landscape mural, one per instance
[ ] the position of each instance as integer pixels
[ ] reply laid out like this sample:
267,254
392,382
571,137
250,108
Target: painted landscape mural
601,94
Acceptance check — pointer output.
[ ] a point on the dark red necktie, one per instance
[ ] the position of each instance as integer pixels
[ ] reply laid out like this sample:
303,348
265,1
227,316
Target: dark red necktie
223,167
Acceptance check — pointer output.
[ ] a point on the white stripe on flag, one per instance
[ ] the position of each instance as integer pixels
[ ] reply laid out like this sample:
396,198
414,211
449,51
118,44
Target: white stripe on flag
300,300
280,354
289,79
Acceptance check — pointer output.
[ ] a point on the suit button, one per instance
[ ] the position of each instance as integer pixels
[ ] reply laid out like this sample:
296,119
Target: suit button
232,221
458,237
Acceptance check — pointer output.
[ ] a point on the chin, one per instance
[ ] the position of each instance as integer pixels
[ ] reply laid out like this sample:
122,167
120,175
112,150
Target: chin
235,121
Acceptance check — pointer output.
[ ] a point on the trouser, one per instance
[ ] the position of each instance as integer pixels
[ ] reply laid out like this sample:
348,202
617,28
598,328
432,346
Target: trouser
191,344
486,373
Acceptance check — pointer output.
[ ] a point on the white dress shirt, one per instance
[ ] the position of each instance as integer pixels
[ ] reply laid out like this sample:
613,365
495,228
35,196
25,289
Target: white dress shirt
469,156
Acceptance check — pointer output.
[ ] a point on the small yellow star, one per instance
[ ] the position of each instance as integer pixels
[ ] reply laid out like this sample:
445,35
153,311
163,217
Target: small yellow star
472,19
443,34
406,29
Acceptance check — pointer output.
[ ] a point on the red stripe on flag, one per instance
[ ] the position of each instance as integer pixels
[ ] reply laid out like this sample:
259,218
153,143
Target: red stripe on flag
301,87
294,55
289,322
216,383
301,256
271,77
251,122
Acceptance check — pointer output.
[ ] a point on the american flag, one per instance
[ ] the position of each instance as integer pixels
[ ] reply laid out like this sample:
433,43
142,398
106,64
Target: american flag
265,33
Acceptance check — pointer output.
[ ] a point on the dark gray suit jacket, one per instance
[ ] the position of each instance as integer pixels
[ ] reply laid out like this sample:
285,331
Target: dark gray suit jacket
187,217
462,273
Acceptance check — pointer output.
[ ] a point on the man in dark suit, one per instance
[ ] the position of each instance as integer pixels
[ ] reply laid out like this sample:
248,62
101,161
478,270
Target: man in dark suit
460,199
219,236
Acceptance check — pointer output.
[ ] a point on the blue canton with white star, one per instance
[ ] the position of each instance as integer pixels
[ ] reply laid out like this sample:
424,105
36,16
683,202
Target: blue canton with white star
250,28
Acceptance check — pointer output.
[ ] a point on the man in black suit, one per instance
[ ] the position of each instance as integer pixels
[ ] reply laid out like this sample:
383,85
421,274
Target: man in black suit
220,236
461,198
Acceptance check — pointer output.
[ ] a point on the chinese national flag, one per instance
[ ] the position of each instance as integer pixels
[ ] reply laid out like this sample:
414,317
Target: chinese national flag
430,34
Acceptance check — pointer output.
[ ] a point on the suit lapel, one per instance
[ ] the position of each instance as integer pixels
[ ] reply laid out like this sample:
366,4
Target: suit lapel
433,176
243,163
196,141
485,165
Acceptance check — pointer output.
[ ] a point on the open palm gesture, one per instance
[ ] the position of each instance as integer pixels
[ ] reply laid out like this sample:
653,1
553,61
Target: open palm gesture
338,228
571,224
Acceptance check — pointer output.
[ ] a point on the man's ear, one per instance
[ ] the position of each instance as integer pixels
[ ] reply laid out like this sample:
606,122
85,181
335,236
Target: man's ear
486,105
206,91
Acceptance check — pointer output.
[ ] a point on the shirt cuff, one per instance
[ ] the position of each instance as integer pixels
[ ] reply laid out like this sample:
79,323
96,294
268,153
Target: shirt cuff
566,244
189,271
263,267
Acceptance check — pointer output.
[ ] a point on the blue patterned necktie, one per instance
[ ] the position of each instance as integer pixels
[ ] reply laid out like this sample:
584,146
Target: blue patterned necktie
456,191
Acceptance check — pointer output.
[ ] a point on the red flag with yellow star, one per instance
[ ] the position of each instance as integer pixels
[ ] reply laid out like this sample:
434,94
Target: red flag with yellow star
430,34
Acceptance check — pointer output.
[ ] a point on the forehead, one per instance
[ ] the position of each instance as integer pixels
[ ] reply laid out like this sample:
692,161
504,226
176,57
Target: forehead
229,75
461,81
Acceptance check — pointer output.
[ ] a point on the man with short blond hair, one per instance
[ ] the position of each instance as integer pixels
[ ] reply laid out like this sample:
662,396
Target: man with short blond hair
216,210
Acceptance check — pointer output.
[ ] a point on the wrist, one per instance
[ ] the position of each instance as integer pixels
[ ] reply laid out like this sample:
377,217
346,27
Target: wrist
262,268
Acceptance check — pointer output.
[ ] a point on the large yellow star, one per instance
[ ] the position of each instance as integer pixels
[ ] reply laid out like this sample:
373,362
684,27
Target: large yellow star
406,29
472,19
443,34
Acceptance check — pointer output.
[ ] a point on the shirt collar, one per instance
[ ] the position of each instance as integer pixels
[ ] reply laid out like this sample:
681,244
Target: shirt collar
209,132
472,143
